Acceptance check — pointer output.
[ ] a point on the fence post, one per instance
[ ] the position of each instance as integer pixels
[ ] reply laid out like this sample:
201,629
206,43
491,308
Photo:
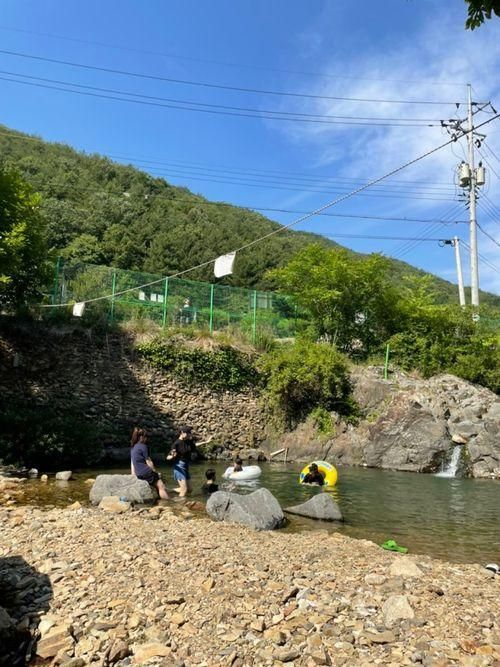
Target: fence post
165,296
113,290
386,365
212,308
254,324
55,290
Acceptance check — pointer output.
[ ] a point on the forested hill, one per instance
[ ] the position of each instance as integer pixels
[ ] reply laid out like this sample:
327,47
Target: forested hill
102,212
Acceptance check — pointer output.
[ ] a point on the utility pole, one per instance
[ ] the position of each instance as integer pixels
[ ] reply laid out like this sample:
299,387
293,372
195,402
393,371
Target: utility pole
470,177
455,242
461,292
474,274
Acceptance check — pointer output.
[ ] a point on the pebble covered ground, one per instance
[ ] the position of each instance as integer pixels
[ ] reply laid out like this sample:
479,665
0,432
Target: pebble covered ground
164,586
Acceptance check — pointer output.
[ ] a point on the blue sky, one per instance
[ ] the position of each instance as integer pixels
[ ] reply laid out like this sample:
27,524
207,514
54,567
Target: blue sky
412,51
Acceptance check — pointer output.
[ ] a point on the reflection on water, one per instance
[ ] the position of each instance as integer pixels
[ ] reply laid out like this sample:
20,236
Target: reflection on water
456,519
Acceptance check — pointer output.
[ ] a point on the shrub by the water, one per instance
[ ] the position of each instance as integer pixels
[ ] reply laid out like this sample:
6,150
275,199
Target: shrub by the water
304,376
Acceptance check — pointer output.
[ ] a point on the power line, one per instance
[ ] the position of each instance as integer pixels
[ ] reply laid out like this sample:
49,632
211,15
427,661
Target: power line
266,172
492,238
253,208
491,151
225,64
280,186
381,238
311,214
250,206
323,181
205,84
485,159
490,211
403,248
293,180
483,258
261,116
408,247
270,185
361,217
216,106
491,203
250,170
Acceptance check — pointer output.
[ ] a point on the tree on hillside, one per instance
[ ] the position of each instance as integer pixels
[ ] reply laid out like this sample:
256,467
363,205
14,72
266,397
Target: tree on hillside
480,10
350,298
23,253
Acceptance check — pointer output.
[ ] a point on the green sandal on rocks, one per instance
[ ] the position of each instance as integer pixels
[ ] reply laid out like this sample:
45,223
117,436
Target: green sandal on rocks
392,545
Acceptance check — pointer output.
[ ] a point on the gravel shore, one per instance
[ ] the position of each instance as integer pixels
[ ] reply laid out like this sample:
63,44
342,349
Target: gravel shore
163,586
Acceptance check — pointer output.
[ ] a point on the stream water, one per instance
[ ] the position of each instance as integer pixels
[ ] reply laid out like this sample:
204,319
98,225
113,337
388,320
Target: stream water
450,518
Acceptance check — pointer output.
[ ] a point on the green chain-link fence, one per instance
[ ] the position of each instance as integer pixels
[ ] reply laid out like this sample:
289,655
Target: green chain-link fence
174,302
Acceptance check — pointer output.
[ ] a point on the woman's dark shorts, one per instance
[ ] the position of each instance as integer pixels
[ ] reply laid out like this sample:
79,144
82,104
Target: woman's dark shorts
151,477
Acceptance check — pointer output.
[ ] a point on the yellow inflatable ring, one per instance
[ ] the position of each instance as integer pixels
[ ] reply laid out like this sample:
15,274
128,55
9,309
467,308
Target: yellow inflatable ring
328,471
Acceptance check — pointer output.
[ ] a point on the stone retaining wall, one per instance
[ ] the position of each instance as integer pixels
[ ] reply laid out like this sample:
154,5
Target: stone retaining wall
105,378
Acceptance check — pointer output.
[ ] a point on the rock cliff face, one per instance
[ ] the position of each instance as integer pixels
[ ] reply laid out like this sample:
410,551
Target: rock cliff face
412,424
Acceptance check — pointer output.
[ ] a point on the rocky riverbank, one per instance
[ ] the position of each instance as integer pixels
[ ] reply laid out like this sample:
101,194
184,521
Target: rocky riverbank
159,586
406,423
411,424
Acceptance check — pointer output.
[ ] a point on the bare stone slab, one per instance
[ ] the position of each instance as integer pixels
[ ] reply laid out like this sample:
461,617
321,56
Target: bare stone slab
321,506
126,487
259,509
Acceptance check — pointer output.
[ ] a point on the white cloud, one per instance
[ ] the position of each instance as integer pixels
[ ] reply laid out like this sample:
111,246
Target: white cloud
421,68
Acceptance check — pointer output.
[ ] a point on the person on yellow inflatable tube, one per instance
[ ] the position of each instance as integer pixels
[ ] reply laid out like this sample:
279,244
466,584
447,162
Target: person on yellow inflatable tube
313,476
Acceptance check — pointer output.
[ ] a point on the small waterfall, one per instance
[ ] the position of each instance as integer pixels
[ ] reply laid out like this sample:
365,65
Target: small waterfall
450,469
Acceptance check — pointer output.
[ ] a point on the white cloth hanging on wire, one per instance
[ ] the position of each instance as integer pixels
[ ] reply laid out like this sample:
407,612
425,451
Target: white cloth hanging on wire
224,265
78,308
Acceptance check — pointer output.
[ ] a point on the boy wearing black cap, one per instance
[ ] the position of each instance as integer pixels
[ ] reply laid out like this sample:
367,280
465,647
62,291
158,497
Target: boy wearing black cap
313,476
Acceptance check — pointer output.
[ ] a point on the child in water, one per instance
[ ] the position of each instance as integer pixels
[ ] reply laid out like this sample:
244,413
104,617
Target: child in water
238,465
314,476
210,485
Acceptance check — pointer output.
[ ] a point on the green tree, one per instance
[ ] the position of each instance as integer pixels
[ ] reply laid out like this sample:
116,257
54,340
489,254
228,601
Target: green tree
85,248
350,298
480,10
23,263
436,339
303,377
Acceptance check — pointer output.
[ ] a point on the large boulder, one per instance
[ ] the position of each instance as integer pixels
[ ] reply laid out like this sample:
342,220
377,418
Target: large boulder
414,425
484,450
407,437
127,487
259,509
321,506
